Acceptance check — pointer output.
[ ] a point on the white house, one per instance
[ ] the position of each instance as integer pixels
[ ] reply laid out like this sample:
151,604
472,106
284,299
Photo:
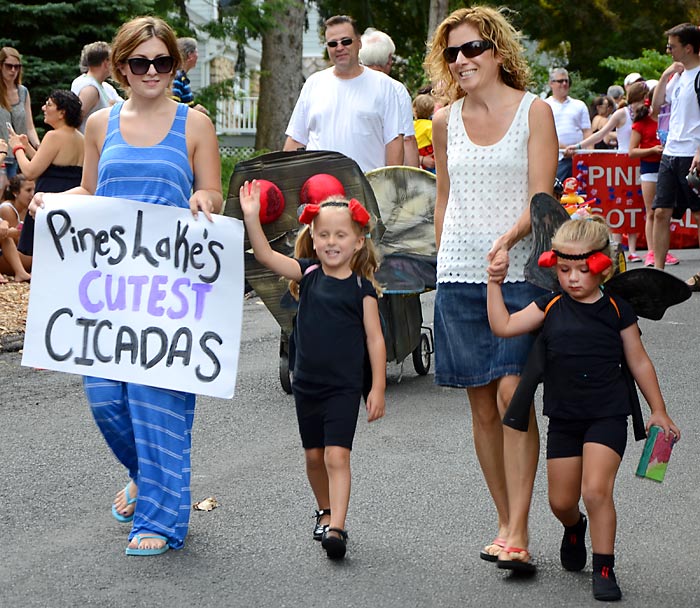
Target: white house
217,61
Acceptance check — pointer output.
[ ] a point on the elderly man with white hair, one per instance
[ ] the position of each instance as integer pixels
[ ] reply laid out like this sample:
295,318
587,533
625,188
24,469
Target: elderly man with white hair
377,53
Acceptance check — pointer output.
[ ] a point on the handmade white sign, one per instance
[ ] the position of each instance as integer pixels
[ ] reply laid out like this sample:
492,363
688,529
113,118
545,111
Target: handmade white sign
136,292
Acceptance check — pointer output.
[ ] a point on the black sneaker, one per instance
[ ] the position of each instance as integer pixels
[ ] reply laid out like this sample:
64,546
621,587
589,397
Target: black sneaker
573,546
605,587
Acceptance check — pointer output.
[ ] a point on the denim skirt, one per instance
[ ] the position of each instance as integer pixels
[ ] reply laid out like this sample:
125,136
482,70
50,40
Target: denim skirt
466,351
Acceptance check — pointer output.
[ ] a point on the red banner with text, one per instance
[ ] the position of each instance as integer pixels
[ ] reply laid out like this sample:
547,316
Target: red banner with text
613,181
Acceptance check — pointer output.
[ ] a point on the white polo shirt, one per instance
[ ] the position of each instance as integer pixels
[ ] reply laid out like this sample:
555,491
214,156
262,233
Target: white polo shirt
570,119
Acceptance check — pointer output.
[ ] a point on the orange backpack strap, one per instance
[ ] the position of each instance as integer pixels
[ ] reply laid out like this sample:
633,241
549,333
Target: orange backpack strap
552,302
617,310
555,299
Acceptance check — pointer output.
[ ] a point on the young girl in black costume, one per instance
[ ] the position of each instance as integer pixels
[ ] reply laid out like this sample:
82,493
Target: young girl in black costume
587,335
338,317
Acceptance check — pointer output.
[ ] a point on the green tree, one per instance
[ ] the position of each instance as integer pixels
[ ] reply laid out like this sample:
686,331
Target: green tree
406,22
650,65
50,36
589,30
280,24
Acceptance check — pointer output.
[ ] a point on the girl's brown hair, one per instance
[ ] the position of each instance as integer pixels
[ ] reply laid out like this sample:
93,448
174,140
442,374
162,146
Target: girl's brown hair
135,32
639,91
364,263
492,26
5,52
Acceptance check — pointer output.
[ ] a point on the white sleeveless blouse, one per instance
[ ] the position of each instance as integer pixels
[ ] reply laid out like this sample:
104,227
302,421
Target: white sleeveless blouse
488,193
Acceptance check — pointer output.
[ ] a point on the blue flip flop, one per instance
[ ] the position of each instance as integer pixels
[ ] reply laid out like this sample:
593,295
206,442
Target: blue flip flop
124,519
140,537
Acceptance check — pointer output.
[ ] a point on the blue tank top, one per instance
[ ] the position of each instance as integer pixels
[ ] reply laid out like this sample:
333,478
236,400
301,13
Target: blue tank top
159,174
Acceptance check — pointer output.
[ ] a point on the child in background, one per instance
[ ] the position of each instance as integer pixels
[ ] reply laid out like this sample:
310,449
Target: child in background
423,107
588,336
646,146
13,209
338,318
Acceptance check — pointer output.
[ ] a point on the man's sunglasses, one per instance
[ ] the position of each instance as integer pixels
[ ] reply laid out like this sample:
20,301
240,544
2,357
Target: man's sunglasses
334,43
140,65
561,81
468,49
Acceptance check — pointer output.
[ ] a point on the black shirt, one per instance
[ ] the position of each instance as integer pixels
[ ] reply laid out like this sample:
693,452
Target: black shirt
583,374
329,330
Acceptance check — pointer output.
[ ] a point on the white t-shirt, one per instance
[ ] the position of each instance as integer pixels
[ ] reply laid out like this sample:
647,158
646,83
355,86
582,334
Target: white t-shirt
570,119
684,123
356,117
406,108
85,80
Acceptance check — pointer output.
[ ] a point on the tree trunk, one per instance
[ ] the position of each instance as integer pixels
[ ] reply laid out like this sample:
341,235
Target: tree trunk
281,76
439,9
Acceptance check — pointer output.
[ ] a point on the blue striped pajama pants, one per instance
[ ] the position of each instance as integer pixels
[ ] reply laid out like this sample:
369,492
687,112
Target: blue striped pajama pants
150,432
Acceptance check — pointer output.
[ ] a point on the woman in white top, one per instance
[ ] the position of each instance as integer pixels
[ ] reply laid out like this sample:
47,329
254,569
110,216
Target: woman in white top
483,143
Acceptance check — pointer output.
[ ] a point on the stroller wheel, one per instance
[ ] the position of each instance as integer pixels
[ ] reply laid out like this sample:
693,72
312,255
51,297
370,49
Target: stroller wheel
285,379
421,355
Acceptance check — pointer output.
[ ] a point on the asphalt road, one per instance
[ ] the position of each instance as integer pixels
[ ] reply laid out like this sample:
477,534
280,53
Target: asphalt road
419,512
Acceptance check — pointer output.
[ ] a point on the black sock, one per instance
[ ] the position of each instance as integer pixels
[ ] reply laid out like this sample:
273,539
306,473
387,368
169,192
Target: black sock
601,560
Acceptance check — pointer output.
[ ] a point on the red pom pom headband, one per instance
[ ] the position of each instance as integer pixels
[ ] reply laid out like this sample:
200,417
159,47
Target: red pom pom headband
597,262
357,211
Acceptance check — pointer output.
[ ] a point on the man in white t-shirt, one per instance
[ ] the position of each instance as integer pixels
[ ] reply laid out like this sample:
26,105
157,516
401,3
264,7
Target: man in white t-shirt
682,149
377,53
88,86
348,108
571,118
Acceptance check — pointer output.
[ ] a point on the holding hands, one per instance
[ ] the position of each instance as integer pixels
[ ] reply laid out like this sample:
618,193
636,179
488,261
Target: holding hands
498,265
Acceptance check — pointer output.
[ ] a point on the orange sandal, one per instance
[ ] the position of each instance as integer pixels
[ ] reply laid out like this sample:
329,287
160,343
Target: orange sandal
486,553
522,564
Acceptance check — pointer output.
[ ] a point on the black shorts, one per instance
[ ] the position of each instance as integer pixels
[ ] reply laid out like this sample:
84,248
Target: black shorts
672,189
327,415
565,438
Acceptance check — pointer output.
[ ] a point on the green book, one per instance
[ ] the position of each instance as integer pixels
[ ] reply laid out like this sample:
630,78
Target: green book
655,455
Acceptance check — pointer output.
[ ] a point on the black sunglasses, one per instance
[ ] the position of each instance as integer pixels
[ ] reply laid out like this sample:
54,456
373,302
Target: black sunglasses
468,49
140,65
334,43
561,81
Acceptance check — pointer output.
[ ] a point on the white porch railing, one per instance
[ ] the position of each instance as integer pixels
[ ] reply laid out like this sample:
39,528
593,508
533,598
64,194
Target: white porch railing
236,116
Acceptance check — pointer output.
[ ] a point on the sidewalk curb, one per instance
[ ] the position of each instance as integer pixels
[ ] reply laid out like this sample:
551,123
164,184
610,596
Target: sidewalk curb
12,343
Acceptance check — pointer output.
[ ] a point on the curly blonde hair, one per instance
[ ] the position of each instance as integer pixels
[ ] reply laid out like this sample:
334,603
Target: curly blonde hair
492,26
592,233
364,263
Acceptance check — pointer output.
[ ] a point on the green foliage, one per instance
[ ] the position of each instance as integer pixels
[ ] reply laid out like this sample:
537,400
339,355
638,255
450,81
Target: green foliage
209,95
650,65
405,22
50,36
589,31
